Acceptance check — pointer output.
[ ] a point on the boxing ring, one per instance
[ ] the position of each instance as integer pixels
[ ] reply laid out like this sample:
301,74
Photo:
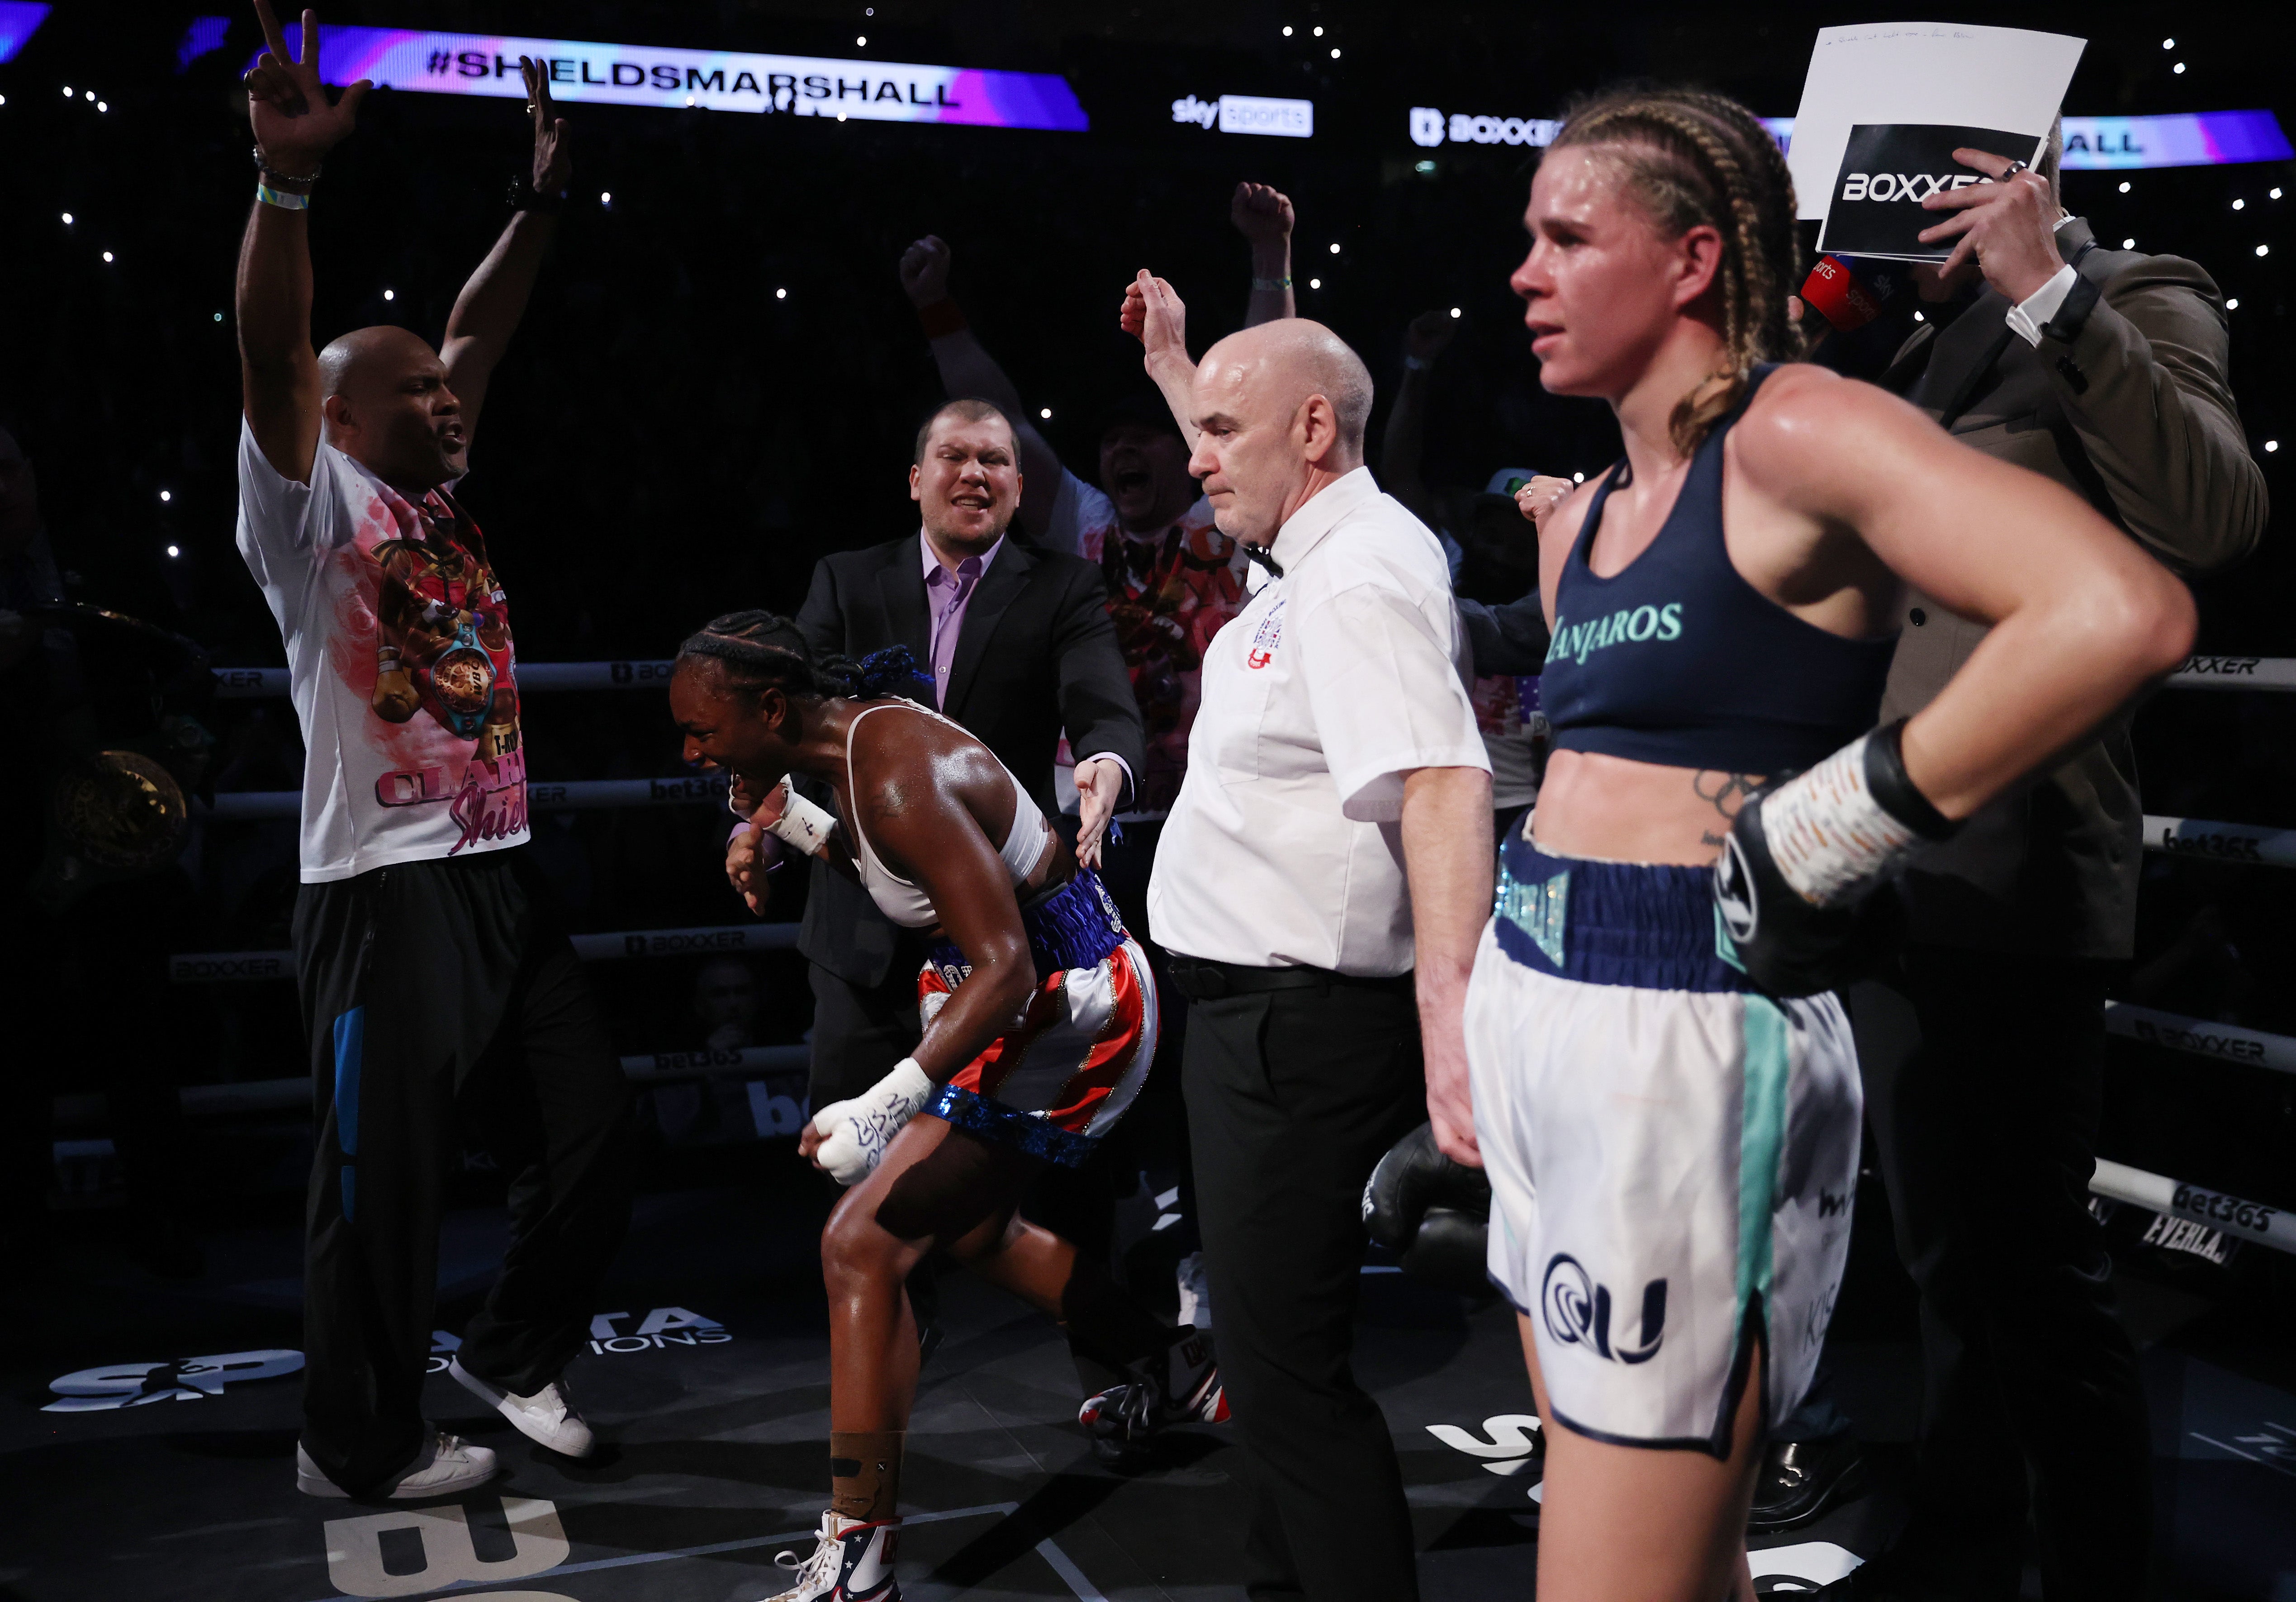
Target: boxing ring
2172,837
706,1362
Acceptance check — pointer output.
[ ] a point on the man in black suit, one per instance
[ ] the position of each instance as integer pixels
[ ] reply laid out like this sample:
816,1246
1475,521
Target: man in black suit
1983,1045
1021,647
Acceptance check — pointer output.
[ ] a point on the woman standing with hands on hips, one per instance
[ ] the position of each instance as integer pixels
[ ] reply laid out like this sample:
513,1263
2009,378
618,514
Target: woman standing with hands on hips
1666,1093
1039,1023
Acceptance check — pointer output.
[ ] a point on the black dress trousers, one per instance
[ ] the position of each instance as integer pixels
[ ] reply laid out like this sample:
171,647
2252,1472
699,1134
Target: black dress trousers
1292,1098
439,993
1983,1084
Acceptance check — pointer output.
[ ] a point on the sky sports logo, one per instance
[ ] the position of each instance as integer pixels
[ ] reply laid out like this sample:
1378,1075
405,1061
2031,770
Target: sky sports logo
1248,114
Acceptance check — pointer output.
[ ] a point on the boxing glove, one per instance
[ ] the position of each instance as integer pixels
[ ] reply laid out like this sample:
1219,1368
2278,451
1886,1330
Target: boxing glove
855,1133
1430,1211
1795,885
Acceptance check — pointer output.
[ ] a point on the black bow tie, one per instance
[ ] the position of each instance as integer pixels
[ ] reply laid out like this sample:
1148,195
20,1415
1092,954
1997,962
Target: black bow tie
1265,558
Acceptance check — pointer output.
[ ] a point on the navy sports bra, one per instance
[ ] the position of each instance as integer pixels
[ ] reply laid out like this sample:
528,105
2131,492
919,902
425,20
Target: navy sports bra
1677,660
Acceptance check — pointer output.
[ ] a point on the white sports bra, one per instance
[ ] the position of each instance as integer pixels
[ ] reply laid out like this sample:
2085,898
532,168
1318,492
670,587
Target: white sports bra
908,905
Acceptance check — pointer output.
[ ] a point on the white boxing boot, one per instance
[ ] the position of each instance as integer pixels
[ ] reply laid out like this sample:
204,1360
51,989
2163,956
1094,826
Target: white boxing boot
852,1561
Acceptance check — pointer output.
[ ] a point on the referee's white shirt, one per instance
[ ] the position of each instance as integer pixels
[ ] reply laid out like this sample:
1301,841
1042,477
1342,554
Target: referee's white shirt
1285,848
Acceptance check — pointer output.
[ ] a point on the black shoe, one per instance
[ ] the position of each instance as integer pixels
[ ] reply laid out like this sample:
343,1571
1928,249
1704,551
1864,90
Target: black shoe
1802,1479
1181,1387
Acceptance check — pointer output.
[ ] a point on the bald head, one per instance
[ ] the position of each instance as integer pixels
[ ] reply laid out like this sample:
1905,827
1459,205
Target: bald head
1280,411
365,357
384,394
1287,362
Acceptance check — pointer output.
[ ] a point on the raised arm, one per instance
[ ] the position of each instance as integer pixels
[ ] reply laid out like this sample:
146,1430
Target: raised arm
1401,447
487,311
968,369
1262,214
1153,315
295,127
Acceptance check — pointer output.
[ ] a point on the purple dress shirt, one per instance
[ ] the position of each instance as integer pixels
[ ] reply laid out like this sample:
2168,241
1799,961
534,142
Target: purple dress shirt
947,596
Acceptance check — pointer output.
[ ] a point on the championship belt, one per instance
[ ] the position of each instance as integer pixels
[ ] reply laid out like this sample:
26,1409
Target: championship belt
117,816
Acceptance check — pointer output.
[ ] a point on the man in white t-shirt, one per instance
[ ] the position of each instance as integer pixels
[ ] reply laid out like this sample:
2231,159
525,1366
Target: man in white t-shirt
430,967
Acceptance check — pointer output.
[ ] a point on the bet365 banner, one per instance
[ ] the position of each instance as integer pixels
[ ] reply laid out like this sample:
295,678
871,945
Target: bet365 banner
716,80
1887,171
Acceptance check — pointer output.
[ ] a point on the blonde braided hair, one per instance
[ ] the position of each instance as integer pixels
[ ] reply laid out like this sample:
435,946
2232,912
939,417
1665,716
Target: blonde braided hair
1689,157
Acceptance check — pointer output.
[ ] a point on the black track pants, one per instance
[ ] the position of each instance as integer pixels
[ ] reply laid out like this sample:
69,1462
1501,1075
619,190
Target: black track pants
436,991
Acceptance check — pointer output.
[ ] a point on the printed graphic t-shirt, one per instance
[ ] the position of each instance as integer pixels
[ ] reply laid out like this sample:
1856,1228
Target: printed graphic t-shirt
399,659
1168,593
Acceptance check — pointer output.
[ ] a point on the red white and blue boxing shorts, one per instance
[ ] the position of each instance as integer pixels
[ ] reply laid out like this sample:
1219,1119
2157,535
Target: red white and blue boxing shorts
1071,1062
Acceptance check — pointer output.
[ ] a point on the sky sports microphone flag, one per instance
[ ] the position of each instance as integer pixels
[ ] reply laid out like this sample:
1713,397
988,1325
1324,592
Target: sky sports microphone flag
716,80
1883,107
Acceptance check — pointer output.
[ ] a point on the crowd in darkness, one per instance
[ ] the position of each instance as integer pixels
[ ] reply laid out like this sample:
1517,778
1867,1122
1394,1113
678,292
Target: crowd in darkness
718,383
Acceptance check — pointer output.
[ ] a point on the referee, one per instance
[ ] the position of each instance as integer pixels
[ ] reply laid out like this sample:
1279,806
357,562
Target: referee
1337,796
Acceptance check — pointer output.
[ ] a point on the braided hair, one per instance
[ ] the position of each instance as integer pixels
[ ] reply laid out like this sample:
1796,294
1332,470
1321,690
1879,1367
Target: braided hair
758,649
1689,157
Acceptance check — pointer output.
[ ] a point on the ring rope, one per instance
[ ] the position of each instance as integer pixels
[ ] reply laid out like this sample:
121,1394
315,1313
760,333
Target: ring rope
2274,1227
573,795
252,683
229,968
286,1095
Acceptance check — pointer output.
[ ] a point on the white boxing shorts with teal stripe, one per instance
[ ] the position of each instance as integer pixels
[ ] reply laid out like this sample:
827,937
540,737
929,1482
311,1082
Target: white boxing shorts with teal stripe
1672,1154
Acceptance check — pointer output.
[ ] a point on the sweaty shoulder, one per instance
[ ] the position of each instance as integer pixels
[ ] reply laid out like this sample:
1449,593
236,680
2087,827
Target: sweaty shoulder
1808,427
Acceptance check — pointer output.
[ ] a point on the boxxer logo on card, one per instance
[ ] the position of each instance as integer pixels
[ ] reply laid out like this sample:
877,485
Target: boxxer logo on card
1888,169
1578,1312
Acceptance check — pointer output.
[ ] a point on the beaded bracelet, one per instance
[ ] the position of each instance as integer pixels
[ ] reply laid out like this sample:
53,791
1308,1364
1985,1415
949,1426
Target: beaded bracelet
268,172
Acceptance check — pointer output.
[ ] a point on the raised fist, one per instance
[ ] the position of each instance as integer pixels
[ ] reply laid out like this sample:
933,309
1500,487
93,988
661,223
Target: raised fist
1426,336
1154,316
924,271
1262,213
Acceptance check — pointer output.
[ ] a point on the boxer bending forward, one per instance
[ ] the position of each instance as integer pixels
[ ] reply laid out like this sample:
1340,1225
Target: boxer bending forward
1040,1021
1666,1094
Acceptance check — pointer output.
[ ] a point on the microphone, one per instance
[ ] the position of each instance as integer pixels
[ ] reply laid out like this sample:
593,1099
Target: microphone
1844,295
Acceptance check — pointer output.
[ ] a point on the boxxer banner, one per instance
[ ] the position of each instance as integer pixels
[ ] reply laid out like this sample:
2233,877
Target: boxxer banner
1888,169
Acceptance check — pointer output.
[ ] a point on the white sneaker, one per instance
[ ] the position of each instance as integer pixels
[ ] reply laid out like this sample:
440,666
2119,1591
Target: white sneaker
449,1465
548,1416
851,1562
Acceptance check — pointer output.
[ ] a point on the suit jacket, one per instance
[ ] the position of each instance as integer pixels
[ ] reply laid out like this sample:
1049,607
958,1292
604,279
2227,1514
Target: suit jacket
2125,402
1037,656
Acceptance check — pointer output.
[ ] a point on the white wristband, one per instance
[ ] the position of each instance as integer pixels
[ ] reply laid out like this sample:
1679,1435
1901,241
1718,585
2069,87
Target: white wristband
802,826
857,1133
1828,835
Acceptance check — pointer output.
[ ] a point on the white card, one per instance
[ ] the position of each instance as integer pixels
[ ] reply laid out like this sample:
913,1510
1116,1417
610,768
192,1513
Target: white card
1957,73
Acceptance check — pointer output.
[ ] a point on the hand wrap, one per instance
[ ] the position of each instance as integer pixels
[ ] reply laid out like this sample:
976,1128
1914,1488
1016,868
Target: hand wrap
1806,850
802,826
856,1132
